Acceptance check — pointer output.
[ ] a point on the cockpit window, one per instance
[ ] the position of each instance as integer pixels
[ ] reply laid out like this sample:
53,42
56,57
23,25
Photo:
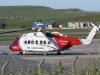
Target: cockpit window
49,34
16,41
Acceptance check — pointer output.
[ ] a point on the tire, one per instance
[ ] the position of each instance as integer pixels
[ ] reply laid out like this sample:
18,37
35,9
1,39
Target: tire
45,54
59,53
21,53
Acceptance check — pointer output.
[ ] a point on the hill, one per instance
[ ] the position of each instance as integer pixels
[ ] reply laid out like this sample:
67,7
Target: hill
29,11
38,11
15,16
71,10
8,11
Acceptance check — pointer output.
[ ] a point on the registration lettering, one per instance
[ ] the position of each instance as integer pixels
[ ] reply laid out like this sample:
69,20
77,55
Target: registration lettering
35,48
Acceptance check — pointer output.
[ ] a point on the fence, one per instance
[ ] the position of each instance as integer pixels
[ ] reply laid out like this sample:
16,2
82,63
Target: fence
58,70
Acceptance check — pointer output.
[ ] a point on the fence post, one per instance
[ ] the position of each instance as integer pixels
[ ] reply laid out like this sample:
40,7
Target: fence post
4,67
73,66
61,68
39,65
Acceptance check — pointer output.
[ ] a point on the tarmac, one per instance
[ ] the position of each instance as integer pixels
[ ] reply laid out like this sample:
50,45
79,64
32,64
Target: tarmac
93,48
81,53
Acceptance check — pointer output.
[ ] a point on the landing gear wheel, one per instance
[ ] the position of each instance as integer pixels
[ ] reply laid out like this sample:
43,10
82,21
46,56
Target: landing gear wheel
45,53
21,53
58,53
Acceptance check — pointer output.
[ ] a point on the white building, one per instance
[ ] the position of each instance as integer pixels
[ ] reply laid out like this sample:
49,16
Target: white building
79,25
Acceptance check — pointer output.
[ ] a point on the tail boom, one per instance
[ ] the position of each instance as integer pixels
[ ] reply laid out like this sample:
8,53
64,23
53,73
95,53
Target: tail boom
91,35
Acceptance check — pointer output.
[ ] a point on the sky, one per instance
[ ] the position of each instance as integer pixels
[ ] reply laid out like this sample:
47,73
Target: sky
89,5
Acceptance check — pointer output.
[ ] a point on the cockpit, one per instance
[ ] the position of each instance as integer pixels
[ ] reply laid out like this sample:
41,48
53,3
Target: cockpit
49,34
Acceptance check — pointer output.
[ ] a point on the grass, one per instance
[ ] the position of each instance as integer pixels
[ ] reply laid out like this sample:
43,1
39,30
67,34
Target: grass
92,68
63,21
15,16
69,30
13,35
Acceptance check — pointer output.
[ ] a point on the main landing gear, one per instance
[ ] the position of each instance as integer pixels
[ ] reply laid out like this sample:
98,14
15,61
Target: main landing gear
45,53
58,53
21,53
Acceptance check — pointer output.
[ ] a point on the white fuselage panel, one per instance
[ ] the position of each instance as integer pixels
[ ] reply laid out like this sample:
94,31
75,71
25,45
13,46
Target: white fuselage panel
37,42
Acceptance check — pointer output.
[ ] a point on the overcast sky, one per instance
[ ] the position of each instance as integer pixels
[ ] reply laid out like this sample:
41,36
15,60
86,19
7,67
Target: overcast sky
90,5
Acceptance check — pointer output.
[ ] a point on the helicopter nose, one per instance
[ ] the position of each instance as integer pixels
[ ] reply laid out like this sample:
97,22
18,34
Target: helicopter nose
14,48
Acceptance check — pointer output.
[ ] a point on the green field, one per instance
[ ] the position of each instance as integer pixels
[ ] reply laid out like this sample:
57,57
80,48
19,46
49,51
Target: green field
15,16
18,16
13,35
39,11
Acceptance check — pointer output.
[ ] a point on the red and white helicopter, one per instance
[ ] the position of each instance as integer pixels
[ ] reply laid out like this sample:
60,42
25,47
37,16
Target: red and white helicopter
40,41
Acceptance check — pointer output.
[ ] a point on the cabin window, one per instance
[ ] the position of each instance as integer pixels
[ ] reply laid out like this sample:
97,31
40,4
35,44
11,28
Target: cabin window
32,42
44,42
25,42
36,42
28,42
40,42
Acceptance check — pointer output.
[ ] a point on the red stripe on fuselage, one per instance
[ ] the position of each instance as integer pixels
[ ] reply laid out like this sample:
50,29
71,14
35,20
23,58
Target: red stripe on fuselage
62,42
74,41
66,42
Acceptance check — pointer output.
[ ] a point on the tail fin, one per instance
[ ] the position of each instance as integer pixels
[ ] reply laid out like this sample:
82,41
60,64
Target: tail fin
89,38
